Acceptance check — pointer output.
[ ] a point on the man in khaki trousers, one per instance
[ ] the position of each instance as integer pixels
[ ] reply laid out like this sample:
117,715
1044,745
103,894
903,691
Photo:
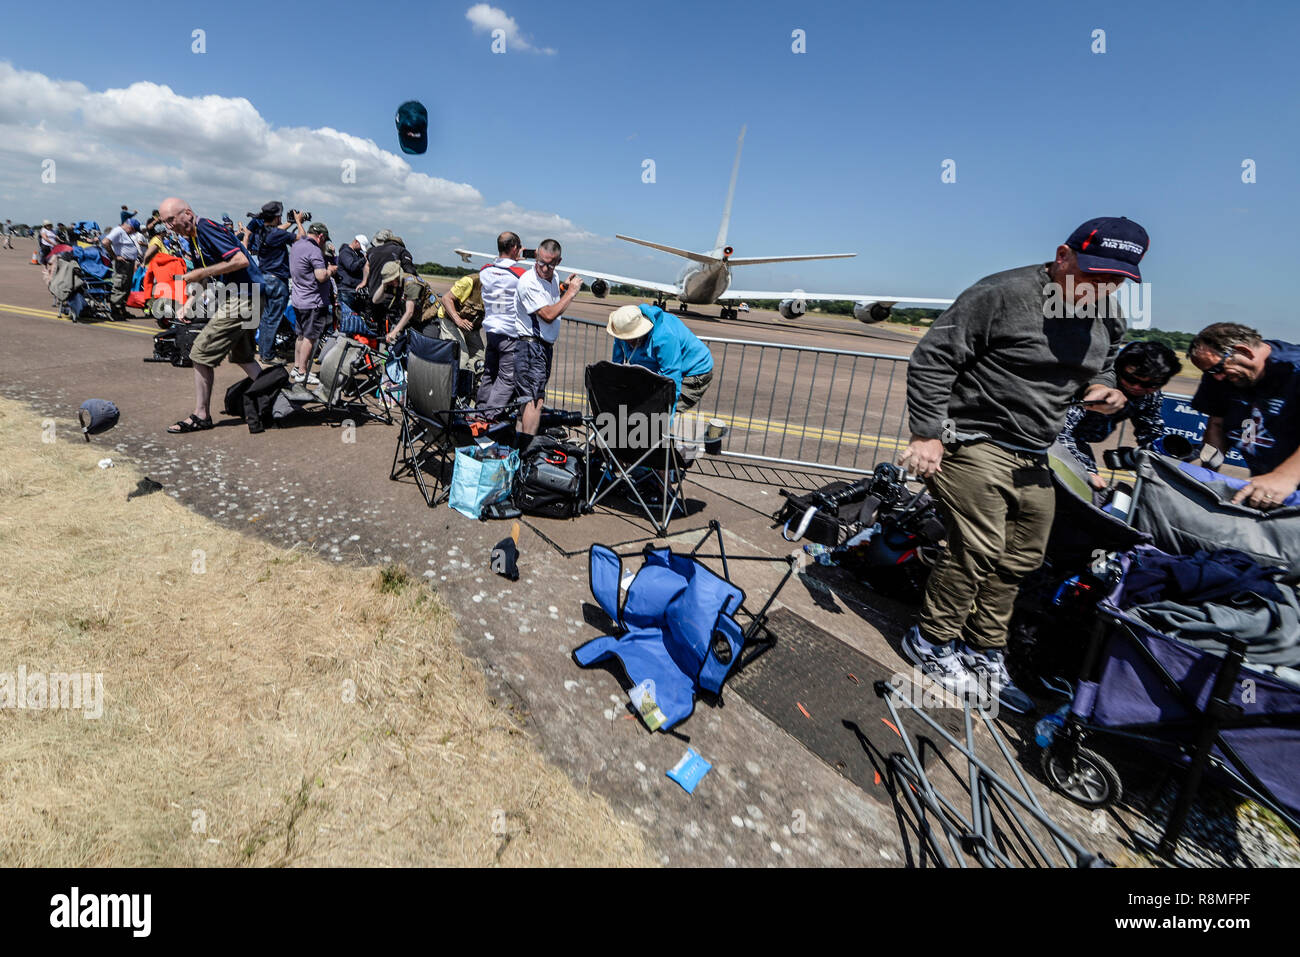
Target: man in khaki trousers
988,388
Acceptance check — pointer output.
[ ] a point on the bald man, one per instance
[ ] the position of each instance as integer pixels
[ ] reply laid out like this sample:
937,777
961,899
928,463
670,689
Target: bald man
229,331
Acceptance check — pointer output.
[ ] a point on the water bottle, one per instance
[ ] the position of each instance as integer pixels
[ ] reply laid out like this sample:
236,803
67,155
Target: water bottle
1048,725
820,553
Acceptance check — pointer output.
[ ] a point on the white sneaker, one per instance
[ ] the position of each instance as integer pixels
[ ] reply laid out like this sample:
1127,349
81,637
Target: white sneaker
311,380
939,663
988,666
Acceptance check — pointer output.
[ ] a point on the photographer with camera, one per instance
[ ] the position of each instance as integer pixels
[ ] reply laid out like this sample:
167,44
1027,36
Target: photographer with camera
269,238
352,271
1142,369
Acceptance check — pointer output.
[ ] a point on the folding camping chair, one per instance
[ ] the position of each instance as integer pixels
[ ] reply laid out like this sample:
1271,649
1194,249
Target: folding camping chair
352,378
437,417
629,431
678,636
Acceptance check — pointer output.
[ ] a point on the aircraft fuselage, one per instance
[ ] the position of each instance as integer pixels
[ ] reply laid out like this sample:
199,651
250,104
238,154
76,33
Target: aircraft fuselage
703,284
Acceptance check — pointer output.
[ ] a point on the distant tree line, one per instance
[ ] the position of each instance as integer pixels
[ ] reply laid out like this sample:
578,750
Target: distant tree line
1178,341
438,269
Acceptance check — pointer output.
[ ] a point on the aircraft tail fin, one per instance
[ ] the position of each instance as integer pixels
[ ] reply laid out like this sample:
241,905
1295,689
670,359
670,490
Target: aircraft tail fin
731,194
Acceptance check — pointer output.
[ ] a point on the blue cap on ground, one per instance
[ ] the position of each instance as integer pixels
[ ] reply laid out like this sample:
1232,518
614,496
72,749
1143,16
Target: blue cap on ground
97,415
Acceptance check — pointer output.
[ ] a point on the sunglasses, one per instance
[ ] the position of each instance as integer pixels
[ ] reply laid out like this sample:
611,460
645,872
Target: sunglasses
1221,366
1140,383
542,263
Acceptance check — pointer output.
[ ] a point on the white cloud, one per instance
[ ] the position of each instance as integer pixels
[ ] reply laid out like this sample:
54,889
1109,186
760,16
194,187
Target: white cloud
485,18
145,142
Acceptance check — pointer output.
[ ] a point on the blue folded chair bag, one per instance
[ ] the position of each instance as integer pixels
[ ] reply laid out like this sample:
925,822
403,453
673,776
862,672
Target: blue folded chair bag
678,624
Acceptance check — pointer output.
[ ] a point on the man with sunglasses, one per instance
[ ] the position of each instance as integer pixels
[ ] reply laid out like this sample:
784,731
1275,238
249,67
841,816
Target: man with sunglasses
538,308
988,388
1250,389
228,332
1142,369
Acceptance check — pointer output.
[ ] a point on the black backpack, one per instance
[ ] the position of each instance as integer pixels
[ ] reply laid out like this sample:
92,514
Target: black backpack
185,334
551,480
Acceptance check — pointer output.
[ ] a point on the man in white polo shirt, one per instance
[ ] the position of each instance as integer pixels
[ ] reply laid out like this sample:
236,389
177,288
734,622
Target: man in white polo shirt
125,255
539,306
500,329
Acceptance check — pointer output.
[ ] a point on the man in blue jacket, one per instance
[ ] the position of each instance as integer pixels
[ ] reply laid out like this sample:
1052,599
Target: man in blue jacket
647,336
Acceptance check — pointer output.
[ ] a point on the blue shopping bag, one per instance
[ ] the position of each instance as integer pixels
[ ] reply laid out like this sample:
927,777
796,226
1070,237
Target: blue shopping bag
483,475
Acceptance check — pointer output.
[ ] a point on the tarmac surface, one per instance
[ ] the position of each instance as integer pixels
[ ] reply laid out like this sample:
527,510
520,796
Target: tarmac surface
768,800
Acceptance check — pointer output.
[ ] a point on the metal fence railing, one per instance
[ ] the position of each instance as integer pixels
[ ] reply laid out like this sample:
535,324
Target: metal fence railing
790,409
786,406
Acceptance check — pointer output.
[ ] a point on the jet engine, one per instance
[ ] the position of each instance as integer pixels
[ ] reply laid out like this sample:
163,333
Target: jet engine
599,288
792,308
871,312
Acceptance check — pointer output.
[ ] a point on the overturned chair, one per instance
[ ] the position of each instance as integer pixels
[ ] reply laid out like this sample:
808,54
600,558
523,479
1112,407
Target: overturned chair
680,636
437,417
630,440
352,380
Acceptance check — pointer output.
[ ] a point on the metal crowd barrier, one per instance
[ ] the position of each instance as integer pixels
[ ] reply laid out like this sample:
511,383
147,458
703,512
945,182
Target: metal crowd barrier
791,410
794,408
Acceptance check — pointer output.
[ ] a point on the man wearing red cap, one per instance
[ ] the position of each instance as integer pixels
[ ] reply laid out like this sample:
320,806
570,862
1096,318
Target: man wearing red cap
988,388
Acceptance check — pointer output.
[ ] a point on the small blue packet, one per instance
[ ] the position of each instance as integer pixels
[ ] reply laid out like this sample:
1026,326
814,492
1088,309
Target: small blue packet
689,770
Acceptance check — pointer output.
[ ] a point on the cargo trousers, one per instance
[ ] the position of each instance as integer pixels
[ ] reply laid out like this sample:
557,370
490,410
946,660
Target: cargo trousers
998,506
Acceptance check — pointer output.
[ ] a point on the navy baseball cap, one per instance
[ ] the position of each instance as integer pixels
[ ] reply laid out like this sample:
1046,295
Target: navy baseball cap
1110,244
413,127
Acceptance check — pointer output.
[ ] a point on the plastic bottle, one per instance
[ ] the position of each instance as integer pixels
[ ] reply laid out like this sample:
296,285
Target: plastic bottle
1047,726
820,553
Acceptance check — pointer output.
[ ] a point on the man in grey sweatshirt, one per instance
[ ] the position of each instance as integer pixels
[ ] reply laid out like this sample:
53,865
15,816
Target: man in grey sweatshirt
988,388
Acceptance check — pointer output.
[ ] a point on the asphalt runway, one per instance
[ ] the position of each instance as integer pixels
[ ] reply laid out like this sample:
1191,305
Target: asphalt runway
814,394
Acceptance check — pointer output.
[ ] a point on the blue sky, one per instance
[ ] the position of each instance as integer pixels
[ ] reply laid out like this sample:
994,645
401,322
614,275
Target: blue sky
843,153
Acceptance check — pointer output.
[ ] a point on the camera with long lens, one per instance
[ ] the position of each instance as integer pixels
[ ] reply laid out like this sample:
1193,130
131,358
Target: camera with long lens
306,216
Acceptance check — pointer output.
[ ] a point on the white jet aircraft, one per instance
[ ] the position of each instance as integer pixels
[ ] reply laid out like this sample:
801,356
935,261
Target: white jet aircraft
707,280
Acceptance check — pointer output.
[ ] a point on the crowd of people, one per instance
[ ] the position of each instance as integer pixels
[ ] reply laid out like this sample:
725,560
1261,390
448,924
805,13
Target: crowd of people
992,386
505,318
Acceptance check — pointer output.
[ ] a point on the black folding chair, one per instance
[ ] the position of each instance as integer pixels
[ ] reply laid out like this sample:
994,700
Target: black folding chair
630,437
437,417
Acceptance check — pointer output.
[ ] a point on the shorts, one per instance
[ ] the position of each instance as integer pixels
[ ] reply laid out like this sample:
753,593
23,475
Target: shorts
225,335
693,389
498,383
532,369
312,322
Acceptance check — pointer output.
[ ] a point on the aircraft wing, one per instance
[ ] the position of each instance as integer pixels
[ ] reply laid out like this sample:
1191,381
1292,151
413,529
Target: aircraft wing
755,260
828,297
670,289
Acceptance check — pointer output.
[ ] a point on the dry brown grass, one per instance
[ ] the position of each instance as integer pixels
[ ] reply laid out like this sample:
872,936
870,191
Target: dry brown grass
228,736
